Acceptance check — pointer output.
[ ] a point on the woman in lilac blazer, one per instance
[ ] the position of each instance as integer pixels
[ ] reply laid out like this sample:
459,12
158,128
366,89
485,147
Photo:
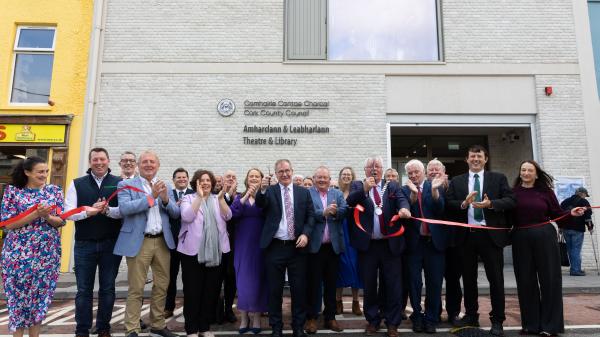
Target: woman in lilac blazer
202,240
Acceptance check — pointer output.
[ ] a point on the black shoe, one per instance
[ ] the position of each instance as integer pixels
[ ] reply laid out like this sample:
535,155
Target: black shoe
497,329
162,333
468,320
298,333
132,334
453,320
275,333
429,328
577,273
230,316
143,325
417,326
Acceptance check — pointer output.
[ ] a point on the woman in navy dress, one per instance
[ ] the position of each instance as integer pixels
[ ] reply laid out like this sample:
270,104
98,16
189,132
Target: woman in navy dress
248,259
348,271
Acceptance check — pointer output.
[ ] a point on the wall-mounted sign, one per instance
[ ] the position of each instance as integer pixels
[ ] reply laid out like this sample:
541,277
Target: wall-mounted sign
32,133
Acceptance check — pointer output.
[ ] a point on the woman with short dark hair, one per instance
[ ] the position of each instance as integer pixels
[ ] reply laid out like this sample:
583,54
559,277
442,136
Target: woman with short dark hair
31,252
202,241
536,256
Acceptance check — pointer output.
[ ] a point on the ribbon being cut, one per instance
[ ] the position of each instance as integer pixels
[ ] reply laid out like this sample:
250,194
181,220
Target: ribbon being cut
359,208
65,215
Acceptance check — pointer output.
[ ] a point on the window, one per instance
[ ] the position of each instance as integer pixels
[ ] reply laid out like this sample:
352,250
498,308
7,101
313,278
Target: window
33,59
363,30
594,12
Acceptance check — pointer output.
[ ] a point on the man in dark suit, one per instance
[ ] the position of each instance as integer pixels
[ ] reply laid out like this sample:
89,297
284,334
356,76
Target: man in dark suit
181,182
425,244
481,198
327,242
376,249
288,225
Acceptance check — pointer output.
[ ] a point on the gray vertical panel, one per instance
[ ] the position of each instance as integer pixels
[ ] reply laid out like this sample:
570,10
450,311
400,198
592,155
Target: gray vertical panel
306,29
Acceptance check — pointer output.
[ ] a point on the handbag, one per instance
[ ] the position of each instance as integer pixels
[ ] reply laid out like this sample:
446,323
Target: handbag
564,255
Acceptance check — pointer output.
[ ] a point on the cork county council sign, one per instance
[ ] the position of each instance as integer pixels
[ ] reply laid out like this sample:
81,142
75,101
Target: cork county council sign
288,121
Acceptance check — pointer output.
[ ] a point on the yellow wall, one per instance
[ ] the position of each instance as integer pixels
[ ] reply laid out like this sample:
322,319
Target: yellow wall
73,21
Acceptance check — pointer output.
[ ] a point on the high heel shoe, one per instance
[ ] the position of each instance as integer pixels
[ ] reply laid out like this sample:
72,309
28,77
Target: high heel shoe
244,330
339,307
256,331
356,308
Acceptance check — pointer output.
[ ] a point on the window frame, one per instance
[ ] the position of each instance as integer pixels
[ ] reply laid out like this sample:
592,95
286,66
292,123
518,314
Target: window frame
440,42
34,51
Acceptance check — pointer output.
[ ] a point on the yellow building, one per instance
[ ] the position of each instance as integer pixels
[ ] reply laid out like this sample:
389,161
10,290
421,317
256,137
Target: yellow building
44,49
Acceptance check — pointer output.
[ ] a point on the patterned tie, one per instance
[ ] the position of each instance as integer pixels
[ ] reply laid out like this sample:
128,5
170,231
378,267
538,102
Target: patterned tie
424,225
180,195
289,213
477,212
377,198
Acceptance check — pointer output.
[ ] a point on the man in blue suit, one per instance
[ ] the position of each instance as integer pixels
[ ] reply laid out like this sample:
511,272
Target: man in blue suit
288,226
377,249
327,242
425,244
145,240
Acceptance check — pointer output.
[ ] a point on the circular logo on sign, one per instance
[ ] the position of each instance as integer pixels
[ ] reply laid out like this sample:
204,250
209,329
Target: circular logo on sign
226,107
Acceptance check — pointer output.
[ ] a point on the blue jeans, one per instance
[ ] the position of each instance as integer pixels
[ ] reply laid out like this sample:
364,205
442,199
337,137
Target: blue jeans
90,255
574,241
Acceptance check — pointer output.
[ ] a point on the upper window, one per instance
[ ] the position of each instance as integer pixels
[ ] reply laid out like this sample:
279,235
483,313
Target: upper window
594,12
33,59
363,30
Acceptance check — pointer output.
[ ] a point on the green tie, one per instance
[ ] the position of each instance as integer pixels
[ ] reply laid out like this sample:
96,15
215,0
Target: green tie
477,212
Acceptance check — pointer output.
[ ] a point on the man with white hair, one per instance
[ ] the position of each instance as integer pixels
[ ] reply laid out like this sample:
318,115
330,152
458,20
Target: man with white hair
425,244
298,180
378,249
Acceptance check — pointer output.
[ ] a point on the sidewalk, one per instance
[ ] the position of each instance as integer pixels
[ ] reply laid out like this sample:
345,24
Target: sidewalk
590,283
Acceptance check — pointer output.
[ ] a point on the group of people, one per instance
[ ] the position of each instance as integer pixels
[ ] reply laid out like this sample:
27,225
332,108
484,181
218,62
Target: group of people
324,234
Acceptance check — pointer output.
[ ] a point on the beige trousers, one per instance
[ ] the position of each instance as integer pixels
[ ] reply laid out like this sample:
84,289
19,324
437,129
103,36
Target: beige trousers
154,253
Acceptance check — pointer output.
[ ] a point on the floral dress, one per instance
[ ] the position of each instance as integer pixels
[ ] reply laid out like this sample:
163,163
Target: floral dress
30,256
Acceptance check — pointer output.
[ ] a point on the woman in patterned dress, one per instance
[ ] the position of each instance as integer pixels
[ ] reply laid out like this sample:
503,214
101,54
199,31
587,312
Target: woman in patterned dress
31,252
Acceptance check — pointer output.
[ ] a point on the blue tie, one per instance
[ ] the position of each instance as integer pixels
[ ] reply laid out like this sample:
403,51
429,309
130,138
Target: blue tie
477,212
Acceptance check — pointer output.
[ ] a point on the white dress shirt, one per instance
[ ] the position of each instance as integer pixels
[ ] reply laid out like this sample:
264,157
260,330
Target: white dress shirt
471,212
154,222
282,231
376,225
71,202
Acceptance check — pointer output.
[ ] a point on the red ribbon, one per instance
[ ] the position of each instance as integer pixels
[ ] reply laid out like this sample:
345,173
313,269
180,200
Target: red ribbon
359,208
75,210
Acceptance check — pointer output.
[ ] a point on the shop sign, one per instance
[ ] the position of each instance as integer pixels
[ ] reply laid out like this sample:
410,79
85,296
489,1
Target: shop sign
32,133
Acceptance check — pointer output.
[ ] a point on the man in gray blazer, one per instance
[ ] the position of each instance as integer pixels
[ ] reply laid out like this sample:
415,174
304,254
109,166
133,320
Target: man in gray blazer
145,240
327,242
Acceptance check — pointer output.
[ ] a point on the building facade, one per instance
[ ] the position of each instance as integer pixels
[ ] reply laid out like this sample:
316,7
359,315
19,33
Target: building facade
237,84
43,64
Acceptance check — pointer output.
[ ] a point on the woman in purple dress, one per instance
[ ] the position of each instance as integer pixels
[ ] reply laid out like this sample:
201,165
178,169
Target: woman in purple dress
248,259
31,252
536,256
348,272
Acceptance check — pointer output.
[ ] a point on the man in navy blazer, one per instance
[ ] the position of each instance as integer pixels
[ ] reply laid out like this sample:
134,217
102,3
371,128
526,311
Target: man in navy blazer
145,240
481,198
288,226
327,242
377,250
425,244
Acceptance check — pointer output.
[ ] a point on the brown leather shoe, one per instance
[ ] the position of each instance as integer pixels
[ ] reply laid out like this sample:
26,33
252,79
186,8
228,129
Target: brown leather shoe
392,331
339,307
104,334
333,326
311,326
168,313
371,330
356,308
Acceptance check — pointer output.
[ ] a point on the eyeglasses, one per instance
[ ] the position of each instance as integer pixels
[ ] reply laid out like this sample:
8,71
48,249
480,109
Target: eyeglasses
127,160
